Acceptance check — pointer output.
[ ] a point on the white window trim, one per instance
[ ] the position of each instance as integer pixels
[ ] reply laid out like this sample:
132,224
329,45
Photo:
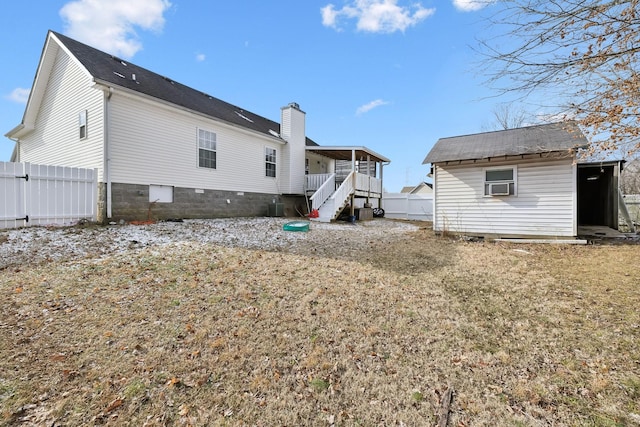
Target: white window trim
198,148
275,162
504,167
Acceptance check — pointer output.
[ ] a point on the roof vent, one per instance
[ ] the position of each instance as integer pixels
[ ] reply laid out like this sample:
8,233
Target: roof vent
243,116
115,58
294,105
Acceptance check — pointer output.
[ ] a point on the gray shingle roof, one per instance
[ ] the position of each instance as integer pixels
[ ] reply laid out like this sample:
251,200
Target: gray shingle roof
545,138
108,68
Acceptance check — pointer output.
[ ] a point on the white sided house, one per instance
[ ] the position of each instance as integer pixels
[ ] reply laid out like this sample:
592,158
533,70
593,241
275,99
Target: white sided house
164,150
522,182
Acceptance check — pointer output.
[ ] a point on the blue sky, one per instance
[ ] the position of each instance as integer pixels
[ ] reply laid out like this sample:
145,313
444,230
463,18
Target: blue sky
392,75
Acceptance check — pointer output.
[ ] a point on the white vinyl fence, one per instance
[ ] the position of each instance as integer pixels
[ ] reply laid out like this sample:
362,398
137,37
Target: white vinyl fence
633,206
408,206
46,195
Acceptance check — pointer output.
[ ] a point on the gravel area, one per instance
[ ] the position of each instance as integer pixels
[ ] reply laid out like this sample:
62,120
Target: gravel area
19,247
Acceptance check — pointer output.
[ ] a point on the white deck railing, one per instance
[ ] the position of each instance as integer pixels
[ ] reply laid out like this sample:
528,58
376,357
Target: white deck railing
368,183
323,191
313,182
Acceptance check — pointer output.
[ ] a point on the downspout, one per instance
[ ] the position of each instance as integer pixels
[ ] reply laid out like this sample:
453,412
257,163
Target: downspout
107,151
382,165
434,173
352,210
369,179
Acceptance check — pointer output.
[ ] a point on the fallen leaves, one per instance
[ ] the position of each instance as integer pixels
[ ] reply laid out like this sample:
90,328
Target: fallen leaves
115,404
173,382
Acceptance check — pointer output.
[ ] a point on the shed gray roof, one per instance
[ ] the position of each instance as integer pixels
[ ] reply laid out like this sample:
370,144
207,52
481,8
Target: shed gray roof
564,136
112,70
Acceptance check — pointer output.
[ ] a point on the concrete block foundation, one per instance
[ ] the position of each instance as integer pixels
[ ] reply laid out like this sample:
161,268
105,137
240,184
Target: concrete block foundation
130,202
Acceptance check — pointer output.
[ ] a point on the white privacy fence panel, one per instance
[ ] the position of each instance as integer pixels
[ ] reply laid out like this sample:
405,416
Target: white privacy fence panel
408,206
11,195
633,206
46,195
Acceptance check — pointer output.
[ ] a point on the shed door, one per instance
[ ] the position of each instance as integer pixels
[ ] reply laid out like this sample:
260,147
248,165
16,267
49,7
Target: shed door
597,196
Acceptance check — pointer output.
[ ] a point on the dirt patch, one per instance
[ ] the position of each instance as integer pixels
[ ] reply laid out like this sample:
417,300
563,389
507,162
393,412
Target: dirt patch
345,325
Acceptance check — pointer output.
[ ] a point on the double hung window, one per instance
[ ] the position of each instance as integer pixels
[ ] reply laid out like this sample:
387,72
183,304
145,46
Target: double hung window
270,162
206,149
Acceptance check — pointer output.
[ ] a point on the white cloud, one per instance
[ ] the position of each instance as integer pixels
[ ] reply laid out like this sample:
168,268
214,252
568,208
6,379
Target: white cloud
200,57
370,106
110,25
471,5
376,16
20,95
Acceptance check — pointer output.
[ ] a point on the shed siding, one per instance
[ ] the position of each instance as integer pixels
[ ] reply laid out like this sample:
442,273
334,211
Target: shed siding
55,139
151,143
544,205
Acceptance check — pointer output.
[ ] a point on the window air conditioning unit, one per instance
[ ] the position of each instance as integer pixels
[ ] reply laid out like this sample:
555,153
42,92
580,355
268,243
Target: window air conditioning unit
499,189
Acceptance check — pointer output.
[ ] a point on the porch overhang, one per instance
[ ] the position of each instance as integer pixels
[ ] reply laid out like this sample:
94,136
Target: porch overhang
348,153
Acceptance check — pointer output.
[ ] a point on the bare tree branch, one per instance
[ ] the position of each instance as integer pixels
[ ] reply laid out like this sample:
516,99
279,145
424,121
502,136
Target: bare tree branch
588,51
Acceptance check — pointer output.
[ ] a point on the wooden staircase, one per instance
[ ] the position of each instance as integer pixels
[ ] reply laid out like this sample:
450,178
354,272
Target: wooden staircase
331,203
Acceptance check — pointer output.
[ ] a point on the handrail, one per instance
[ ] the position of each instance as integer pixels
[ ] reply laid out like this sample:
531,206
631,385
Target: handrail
324,192
346,188
354,181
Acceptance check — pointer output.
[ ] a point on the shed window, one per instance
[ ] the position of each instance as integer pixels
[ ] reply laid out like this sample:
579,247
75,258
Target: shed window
82,124
500,182
206,149
270,162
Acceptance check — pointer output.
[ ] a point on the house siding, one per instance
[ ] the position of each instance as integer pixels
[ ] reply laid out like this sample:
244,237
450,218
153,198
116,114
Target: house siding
55,139
151,143
319,164
544,204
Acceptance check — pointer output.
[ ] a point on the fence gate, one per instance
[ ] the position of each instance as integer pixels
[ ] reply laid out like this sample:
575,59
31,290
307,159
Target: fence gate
46,195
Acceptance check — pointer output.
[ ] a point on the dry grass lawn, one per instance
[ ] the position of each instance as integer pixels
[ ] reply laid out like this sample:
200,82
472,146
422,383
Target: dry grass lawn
194,334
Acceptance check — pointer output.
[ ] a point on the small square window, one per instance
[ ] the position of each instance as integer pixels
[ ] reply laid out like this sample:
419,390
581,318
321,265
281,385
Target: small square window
270,162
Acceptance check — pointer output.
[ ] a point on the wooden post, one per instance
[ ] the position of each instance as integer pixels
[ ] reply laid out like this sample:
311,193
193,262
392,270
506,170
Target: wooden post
353,208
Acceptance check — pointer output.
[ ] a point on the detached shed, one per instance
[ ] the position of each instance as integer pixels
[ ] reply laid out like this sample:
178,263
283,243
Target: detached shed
512,183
